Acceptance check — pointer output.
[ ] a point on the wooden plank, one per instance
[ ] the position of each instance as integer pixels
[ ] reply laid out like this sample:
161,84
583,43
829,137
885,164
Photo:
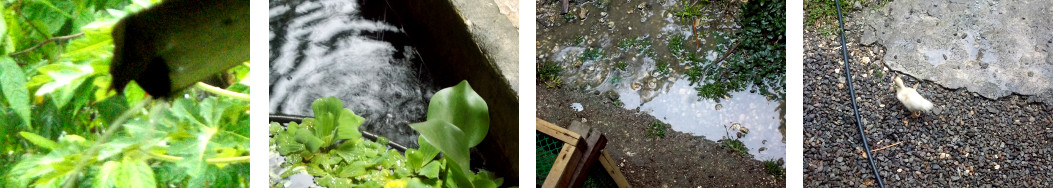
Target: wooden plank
560,133
612,169
596,143
559,175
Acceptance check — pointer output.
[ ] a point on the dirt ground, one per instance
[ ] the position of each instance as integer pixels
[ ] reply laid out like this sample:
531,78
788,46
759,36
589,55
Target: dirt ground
678,160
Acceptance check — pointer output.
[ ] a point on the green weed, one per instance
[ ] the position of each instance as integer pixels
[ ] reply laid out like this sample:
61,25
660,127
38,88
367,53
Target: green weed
548,74
775,169
621,65
657,129
591,54
676,45
736,146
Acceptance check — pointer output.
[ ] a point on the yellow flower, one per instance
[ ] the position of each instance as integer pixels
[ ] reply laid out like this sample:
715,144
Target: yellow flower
399,183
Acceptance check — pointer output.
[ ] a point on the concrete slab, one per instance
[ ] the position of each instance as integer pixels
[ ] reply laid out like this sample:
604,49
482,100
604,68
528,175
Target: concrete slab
993,48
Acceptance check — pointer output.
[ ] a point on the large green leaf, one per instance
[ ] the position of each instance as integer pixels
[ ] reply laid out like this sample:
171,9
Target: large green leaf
447,138
39,140
461,106
107,176
13,84
135,173
95,44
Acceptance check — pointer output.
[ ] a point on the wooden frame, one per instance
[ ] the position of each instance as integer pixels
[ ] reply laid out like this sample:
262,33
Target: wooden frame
612,169
567,160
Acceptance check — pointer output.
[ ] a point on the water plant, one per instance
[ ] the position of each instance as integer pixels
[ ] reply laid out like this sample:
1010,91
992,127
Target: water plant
331,148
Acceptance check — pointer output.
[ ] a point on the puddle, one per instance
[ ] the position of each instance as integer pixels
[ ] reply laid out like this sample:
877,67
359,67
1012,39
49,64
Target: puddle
635,62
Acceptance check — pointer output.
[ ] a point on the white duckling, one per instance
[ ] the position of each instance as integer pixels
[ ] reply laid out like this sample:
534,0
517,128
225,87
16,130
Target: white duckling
911,99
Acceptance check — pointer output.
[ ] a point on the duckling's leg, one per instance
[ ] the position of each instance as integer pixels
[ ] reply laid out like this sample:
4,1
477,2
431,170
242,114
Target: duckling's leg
915,114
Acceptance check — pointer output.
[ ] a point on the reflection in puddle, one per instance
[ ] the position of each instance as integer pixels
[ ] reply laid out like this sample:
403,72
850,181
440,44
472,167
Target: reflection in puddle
636,65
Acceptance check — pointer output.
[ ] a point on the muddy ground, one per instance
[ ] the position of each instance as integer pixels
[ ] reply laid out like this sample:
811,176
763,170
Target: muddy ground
678,160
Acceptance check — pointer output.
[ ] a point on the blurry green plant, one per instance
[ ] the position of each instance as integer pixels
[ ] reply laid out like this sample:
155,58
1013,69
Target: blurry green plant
330,147
627,43
62,126
621,65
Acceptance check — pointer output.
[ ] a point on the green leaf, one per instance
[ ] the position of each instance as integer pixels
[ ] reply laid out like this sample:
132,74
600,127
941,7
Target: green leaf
326,114
135,173
417,158
13,84
307,139
457,176
347,125
431,170
107,176
447,138
39,140
95,44
461,106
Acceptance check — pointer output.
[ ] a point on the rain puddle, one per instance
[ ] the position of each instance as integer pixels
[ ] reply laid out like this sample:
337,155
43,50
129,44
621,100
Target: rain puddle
625,50
348,50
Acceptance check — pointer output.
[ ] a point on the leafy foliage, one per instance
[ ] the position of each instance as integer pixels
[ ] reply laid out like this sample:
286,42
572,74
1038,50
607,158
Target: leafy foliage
761,65
330,147
59,121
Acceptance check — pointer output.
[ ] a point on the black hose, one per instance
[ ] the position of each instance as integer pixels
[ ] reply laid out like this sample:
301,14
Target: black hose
852,92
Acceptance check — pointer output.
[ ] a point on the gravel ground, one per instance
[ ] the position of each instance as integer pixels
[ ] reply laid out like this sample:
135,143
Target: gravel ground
969,141
677,160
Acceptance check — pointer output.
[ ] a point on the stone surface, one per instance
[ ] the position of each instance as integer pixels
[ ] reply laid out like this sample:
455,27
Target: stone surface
992,48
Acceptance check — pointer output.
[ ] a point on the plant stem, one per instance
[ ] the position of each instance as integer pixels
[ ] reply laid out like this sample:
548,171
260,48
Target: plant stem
221,91
223,160
85,159
52,39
